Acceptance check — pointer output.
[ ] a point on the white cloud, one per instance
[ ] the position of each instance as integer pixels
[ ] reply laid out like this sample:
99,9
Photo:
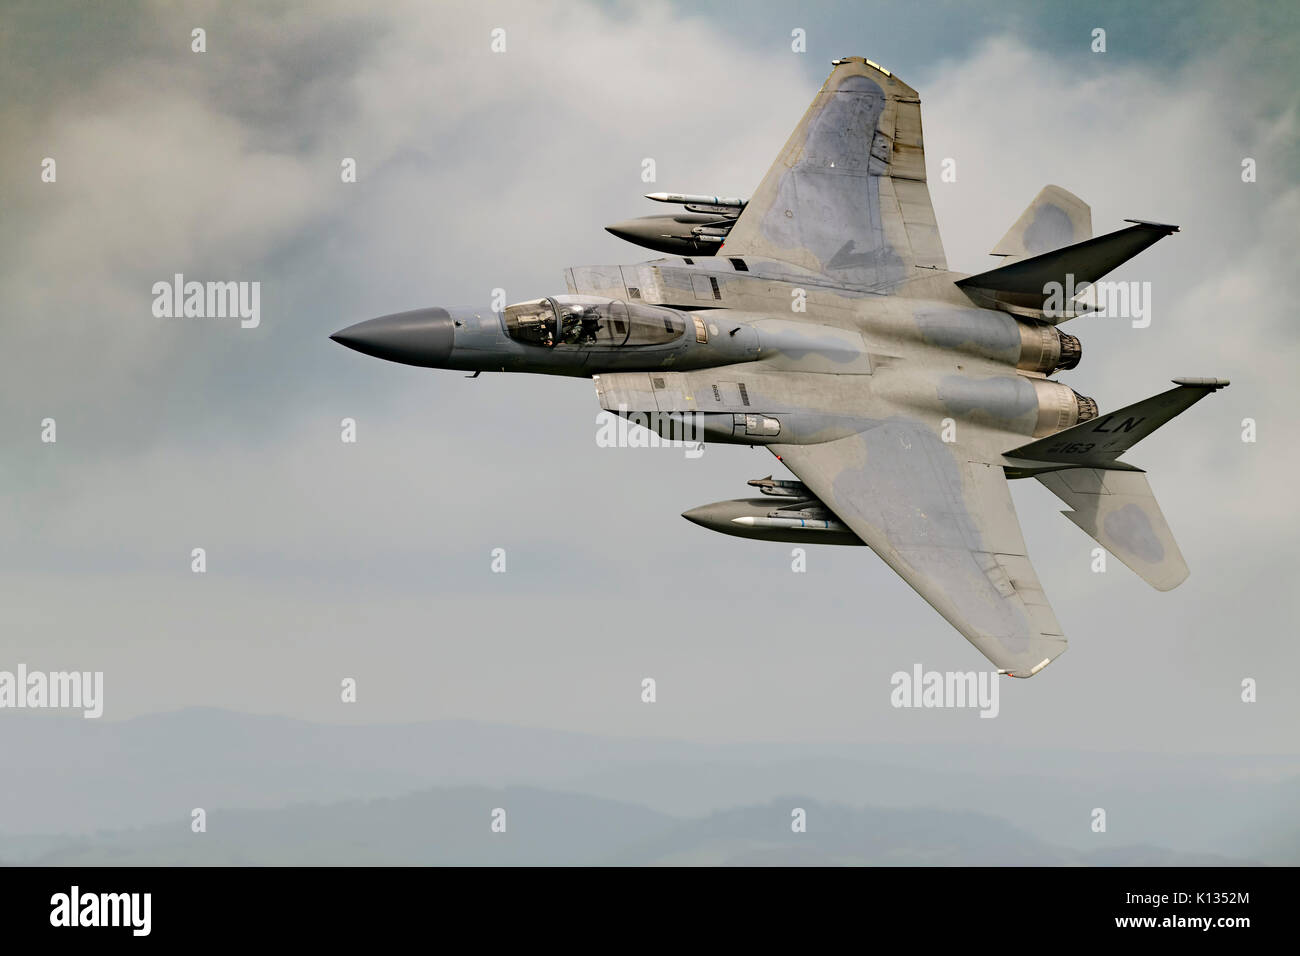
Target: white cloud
480,170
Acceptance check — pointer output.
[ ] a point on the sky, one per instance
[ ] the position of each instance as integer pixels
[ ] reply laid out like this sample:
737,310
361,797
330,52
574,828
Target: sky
480,170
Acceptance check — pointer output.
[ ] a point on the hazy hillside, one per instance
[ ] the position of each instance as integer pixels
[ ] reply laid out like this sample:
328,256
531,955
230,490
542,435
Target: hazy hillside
441,827
63,777
452,827
872,836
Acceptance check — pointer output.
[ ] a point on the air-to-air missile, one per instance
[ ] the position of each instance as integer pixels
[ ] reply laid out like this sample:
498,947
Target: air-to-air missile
698,231
722,204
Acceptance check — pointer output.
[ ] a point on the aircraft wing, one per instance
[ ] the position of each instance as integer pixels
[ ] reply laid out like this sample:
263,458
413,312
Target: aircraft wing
947,525
847,197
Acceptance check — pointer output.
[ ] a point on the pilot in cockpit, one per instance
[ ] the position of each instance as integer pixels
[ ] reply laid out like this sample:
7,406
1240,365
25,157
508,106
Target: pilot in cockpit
579,325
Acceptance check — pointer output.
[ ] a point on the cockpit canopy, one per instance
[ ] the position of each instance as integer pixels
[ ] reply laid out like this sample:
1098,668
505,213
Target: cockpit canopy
583,321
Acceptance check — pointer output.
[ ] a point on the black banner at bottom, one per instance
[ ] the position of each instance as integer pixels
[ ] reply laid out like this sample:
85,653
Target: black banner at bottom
622,905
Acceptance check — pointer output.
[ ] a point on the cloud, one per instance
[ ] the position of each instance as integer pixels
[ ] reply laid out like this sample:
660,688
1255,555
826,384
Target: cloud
1166,147
480,170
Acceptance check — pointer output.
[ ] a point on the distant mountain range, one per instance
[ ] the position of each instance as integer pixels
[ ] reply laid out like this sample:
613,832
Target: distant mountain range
278,790
453,827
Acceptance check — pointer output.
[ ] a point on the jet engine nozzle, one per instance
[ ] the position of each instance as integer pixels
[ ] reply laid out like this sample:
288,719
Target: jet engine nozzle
1060,407
1045,348
1071,350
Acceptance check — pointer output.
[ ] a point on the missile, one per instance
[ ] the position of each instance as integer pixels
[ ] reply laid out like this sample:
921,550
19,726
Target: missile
783,489
727,211
686,199
803,524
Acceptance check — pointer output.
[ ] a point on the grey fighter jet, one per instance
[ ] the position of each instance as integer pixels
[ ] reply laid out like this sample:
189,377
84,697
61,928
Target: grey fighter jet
902,396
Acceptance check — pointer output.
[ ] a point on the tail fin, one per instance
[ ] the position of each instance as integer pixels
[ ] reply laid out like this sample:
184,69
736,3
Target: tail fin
1118,510
1056,218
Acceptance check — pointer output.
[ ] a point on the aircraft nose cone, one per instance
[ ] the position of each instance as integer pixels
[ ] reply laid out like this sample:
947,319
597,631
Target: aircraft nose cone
419,337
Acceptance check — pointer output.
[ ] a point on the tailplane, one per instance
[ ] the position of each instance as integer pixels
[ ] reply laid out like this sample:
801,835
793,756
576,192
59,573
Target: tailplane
1098,442
1111,499
1118,510
1036,286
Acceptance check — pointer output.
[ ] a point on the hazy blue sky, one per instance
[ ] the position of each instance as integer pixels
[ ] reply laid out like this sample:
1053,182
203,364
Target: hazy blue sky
480,170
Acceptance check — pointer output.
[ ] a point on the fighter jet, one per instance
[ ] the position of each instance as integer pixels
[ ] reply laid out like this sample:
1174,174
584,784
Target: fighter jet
902,396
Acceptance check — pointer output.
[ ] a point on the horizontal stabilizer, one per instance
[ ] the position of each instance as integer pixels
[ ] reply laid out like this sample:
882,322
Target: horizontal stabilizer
1098,442
1118,510
1056,218
1040,285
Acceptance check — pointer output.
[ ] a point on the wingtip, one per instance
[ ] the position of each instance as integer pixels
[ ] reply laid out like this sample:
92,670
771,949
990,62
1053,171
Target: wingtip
1162,226
1025,674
